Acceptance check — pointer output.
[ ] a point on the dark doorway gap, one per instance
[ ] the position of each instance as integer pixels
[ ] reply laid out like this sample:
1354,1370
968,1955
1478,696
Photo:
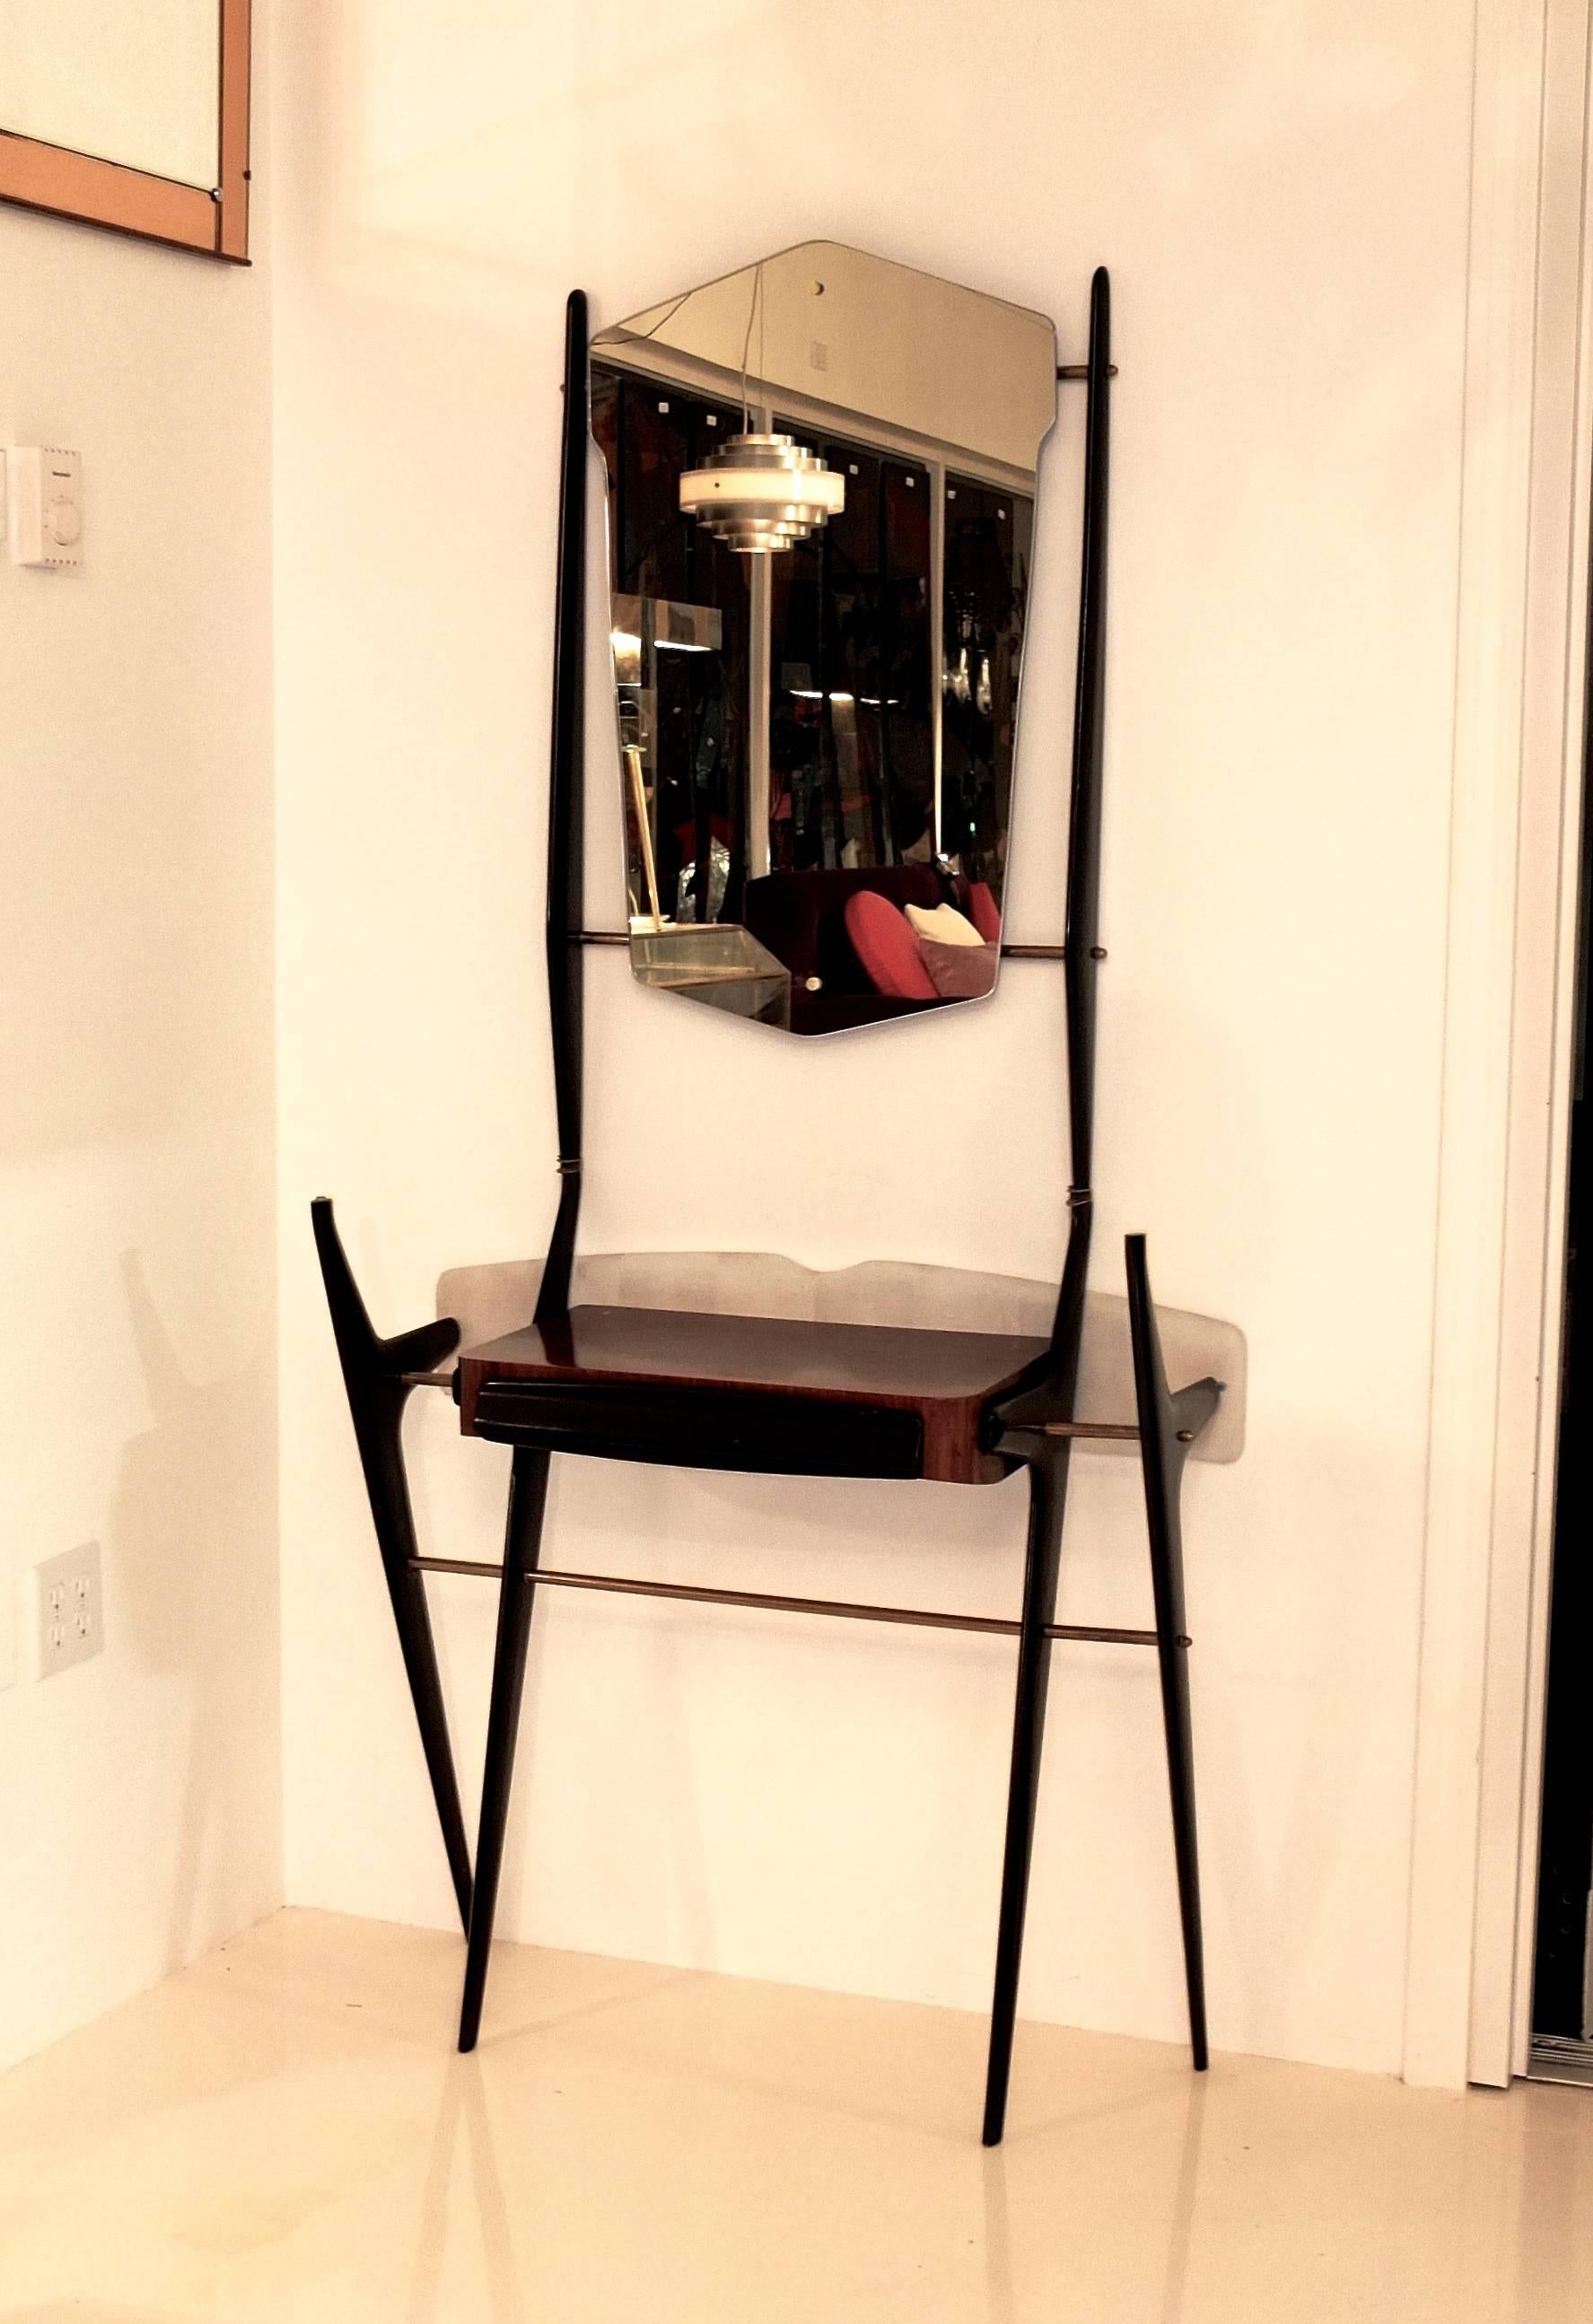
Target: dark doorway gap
1562,1994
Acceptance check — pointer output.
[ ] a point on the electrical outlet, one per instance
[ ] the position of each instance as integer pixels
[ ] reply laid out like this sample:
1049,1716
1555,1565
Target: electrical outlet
71,1617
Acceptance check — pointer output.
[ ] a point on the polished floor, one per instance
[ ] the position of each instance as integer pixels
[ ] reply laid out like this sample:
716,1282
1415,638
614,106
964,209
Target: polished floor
281,2134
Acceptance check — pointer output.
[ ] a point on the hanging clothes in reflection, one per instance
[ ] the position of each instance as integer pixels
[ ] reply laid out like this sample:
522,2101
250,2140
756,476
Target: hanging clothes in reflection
851,733
681,645
989,542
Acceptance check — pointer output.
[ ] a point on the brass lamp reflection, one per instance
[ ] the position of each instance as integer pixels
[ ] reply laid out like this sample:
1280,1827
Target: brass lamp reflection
759,493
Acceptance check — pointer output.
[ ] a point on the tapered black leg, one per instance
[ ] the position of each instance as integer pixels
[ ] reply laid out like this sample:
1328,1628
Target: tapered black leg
1167,1424
528,1493
1048,1493
1174,1659
374,1375
407,1593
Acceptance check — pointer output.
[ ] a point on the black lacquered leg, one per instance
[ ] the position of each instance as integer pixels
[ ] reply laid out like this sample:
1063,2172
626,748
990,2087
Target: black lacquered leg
1048,1492
528,1493
374,1373
407,1592
1167,1425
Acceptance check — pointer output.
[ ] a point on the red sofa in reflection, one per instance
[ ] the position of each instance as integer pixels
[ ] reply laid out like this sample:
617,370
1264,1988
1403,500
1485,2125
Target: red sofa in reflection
801,917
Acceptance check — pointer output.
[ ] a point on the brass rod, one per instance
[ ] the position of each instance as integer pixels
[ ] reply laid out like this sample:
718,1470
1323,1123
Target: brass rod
1008,951
1101,1432
922,1618
1081,371
1117,1432
1101,1635
994,1625
427,1379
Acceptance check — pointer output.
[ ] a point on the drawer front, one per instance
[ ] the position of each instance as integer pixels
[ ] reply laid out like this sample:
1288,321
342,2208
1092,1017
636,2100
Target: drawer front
702,1428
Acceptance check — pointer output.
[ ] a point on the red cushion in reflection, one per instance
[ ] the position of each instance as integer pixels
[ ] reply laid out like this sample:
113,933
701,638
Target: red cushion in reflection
982,911
883,939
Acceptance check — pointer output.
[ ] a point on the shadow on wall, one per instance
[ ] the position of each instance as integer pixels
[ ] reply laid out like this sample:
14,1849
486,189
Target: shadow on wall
179,1523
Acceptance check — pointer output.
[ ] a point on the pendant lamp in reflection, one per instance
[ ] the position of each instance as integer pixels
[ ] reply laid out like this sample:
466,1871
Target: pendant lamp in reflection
761,492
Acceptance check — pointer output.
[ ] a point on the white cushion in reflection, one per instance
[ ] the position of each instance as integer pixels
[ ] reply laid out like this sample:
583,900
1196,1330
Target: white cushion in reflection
944,925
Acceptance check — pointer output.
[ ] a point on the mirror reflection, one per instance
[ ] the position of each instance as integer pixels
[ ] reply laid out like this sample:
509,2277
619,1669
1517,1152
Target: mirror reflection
138,86
821,479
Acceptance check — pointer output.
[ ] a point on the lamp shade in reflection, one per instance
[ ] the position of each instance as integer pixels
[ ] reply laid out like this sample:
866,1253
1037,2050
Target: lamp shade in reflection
761,492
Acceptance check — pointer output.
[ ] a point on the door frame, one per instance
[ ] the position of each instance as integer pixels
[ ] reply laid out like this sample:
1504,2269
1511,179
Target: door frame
1521,636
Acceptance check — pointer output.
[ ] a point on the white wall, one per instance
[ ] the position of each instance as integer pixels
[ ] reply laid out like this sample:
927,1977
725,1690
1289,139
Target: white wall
1280,188
139,1794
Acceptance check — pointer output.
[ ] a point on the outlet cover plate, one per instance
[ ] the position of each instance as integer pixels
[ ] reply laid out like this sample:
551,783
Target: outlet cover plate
72,1617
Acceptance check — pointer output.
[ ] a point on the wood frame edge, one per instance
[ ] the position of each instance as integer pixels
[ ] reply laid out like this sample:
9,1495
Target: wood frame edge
57,182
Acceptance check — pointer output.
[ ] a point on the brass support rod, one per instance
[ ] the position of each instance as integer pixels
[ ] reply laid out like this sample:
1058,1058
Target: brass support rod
1117,1432
1008,951
427,1379
991,1625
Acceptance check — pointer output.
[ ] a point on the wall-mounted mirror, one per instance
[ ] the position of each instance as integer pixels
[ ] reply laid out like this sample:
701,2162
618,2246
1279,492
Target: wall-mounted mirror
821,485
132,113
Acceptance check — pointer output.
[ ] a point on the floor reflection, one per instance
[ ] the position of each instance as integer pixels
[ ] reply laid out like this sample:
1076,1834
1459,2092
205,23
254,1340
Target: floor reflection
1160,2233
1182,2230
463,2100
284,2132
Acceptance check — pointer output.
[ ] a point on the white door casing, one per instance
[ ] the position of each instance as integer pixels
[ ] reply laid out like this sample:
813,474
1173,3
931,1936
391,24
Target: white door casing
1521,632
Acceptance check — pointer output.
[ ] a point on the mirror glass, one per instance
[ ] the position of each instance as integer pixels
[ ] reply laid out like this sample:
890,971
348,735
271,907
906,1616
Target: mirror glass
821,481
132,81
